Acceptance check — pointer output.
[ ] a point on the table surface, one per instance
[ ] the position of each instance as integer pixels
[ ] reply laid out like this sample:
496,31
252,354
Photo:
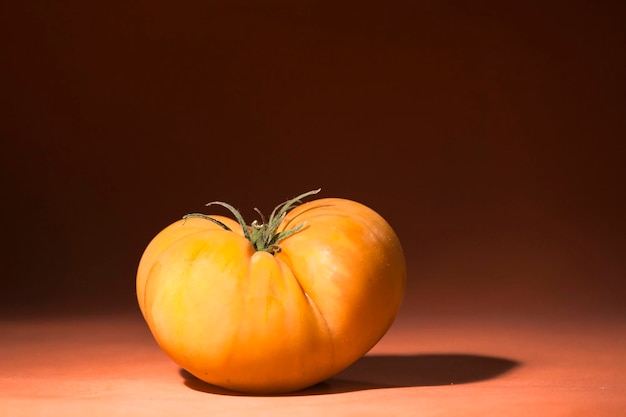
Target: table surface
428,365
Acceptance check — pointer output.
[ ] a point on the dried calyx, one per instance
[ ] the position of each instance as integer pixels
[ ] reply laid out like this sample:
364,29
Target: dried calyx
262,235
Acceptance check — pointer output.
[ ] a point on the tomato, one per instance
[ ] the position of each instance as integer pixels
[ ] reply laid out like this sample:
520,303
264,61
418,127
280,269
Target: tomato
275,306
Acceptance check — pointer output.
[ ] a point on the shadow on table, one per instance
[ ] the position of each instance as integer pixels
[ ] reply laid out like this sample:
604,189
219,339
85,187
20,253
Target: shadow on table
395,371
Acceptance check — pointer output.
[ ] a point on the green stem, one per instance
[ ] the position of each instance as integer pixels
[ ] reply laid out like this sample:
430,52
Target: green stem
205,217
263,236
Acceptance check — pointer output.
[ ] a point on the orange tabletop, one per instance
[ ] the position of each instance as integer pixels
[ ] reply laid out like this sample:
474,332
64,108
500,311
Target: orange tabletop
433,364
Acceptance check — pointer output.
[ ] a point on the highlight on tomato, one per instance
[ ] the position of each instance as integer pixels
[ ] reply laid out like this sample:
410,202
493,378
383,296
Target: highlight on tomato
277,305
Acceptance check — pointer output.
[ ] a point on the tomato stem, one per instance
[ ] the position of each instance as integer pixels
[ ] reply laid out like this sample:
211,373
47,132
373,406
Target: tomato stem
205,217
263,235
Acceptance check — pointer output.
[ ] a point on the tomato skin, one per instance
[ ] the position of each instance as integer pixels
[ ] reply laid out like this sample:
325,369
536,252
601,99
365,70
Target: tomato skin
255,322
163,240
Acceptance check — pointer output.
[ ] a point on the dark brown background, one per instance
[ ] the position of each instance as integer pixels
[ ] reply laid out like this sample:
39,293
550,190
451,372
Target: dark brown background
490,135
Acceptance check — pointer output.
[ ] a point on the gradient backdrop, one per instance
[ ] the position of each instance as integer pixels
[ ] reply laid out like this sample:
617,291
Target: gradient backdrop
489,134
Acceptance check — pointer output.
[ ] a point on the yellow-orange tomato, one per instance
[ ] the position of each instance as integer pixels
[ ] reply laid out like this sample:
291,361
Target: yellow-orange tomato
273,321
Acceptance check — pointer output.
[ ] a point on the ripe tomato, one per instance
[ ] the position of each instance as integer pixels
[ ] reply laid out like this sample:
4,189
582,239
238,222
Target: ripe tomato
272,307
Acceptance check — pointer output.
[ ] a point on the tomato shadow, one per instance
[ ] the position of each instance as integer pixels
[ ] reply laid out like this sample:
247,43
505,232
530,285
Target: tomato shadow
394,371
